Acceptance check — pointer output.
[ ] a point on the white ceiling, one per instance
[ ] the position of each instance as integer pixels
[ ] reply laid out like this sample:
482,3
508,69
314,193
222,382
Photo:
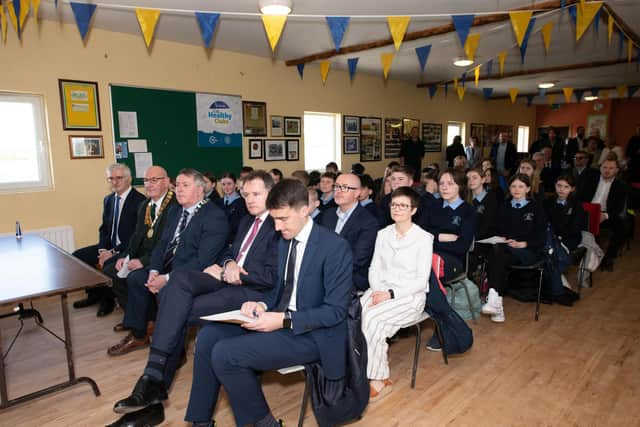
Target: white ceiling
306,35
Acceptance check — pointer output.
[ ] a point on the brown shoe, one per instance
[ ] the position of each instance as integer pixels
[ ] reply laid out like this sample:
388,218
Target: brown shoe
120,328
127,345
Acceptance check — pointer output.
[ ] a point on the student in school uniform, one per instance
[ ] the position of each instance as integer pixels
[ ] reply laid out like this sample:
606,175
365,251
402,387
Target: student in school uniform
366,200
521,221
327,181
232,203
492,182
485,202
314,202
528,167
402,176
399,280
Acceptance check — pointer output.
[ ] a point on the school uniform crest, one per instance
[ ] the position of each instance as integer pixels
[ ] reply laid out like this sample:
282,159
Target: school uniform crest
456,220
480,209
528,216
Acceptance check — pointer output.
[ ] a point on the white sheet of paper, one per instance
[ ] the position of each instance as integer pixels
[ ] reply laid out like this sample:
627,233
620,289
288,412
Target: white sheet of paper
128,124
124,271
492,240
235,316
143,161
137,145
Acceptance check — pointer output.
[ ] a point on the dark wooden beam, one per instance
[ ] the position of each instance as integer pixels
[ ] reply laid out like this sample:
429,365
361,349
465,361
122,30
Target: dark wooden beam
429,32
555,91
627,29
571,67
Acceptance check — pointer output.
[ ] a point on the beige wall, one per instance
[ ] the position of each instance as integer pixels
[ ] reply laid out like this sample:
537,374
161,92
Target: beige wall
50,51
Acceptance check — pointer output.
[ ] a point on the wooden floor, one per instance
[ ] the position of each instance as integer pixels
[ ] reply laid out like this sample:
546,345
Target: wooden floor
577,366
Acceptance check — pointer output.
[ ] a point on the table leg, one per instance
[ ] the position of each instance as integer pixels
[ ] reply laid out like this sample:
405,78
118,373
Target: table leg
4,399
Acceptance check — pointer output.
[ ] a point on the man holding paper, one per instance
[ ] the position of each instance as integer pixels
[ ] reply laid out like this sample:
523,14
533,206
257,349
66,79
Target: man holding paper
243,272
303,320
152,216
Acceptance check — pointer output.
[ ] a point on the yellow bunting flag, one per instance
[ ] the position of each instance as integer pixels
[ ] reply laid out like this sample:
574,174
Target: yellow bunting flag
520,23
501,57
476,73
546,35
568,93
455,82
397,27
273,26
584,16
551,98
629,49
324,70
148,18
471,45
622,91
460,90
604,93
24,11
3,23
386,59
610,28
35,6
513,93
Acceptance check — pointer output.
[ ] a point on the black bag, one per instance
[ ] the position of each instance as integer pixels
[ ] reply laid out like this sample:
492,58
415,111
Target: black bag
340,401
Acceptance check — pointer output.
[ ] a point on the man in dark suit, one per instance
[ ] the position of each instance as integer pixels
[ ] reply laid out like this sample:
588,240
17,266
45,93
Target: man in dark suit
151,221
355,224
243,273
412,151
611,194
504,155
473,153
582,172
454,150
193,239
119,214
563,155
302,321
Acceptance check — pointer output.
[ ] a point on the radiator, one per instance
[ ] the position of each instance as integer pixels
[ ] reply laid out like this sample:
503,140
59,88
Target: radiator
60,236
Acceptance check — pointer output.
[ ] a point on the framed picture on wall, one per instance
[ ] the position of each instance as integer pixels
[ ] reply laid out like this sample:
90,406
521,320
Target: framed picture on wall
491,132
80,105
275,149
407,125
477,131
293,149
597,123
254,118
432,137
351,125
370,139
292,126
255,148
86,147
392,138
350,144
277,126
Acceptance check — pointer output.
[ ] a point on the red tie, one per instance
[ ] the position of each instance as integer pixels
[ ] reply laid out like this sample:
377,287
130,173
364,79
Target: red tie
252,236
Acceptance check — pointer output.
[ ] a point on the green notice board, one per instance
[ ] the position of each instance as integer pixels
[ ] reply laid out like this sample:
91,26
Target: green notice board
167,120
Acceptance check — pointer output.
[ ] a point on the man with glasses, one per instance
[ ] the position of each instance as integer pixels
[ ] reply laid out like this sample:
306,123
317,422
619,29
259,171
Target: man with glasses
151,221
119,213
582,172
355,224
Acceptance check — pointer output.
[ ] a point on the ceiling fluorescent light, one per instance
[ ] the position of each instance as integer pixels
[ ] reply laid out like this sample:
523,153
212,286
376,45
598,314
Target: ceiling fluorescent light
275,7
590,98
462,62
546,85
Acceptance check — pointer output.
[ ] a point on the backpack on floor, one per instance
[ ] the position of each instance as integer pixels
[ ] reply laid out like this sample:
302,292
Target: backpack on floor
458,300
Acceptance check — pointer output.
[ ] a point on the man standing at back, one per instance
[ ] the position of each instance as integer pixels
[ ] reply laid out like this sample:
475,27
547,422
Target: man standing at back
119,213
355,224
412,152
302,321
504,154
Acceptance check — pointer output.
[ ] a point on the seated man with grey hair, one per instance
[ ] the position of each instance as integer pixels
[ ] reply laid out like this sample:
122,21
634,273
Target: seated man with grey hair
119,215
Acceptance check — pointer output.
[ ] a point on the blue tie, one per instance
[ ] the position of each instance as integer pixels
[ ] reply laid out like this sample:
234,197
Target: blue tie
518,205
114,230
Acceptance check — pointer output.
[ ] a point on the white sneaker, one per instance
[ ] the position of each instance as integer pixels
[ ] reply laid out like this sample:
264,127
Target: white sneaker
494,303
499,316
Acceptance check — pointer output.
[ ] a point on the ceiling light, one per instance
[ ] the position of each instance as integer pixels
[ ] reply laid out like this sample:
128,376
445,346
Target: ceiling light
590,98
275,7
462,62
546,85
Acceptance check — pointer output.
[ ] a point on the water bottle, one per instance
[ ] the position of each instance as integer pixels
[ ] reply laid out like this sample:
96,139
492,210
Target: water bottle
18,231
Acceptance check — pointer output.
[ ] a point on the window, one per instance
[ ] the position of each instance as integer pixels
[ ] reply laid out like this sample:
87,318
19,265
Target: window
24,154
523,139
321,140
454,129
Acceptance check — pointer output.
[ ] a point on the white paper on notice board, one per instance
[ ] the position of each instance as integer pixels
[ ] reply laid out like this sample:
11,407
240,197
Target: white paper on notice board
143,161
137,145
128,124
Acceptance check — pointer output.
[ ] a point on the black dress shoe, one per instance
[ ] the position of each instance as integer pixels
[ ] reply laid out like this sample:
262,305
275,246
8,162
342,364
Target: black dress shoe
147,392
106,307
565,299
149,416
86,302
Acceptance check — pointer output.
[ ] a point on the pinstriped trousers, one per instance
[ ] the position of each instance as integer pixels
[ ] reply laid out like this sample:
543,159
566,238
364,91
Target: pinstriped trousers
382,321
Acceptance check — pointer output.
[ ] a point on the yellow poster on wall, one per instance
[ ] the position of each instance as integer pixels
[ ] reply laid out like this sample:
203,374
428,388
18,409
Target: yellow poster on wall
80,105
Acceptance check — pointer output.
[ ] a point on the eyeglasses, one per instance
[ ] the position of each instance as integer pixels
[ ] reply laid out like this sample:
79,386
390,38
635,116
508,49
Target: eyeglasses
115,178
580,157
400,206
154,180
344,188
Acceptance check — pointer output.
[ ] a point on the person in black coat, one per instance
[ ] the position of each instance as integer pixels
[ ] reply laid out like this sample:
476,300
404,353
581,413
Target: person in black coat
402,176
566,215
325,187
563,155
119,216
211,190
366,198
522,223
454,150
485,201
231,203
504,155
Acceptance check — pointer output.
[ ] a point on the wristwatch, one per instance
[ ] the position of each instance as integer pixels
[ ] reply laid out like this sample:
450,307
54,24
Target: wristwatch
286,322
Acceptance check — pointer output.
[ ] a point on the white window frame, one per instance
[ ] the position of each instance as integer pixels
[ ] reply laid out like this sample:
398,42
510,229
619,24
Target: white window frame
523,143
337,148
42,145
461,125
